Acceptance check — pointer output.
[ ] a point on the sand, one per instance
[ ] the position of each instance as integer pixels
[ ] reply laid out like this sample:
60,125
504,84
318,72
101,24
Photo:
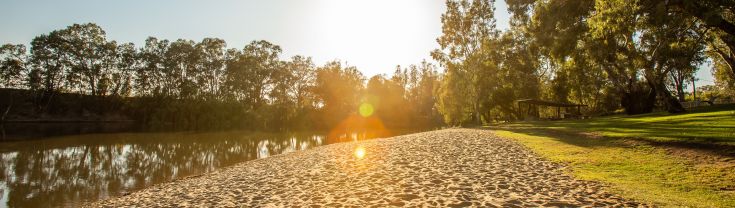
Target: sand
447,168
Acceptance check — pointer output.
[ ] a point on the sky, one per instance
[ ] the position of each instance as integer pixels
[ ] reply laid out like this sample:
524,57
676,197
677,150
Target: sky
373,35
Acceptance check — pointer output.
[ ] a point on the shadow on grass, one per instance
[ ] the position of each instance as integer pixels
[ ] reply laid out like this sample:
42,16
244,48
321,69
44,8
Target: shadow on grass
569,137
694,148
706,131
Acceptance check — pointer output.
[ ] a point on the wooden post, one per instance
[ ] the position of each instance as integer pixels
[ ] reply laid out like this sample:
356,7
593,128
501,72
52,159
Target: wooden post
694,92
558,112
520,111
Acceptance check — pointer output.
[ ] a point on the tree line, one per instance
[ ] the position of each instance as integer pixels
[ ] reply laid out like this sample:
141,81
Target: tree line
632,56
185,84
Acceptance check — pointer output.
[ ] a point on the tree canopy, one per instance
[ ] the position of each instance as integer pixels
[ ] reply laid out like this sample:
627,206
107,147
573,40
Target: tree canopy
610,55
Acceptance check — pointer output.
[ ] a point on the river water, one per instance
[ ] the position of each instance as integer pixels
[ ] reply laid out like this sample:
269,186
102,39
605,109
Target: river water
38,169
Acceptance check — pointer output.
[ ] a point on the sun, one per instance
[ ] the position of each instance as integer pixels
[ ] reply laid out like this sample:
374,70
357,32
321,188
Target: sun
374,35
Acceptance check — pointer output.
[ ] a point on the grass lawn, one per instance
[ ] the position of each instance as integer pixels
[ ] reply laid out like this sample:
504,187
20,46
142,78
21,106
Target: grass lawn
667,160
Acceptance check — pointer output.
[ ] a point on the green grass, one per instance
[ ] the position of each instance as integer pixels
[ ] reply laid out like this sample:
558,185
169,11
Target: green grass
704,125
644,171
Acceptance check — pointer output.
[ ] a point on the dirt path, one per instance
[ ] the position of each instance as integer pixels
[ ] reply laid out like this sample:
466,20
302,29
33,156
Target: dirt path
455,168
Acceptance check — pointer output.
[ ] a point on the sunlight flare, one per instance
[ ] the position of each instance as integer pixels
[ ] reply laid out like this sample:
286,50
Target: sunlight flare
366,109
360,152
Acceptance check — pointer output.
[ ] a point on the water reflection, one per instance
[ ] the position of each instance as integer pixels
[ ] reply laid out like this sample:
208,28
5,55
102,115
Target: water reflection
66,171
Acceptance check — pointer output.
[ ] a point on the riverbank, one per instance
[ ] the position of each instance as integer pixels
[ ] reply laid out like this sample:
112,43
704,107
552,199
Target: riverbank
679,160
454,167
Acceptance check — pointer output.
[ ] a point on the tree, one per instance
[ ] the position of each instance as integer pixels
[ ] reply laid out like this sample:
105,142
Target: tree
465,26
718,16
282,103
13,68
520,71
211,67
302,71
423,81
126,63
185,84
338,91
450,103
248,74
87,54
49,69
724,80
622,38
180,65
387,96
151,76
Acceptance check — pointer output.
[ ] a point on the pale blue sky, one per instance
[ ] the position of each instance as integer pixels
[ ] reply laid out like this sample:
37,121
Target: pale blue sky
374,35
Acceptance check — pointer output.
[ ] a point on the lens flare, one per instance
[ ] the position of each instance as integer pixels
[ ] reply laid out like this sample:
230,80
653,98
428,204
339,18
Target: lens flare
360,152
366,109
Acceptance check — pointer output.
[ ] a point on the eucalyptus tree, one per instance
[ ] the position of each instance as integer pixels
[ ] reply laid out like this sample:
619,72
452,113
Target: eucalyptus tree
13,66
296,88
465,26
412,86
520,71
423,95
338,91
13,70
126,64
249,73
718,16
48,67
657,44
151,77
388,96
210,71
180,61
281,102
557,34
303,72
633,46
89,56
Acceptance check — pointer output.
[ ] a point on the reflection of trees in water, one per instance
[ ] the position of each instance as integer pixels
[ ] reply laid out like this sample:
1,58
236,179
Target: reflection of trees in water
56,171
268,147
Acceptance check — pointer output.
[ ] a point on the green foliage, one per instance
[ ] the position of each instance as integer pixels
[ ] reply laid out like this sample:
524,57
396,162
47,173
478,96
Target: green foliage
338,89
465,27
12,65
452,101
185,84
606,54
412,88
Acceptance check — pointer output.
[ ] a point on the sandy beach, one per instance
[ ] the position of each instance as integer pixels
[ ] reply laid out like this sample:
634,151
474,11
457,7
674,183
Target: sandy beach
447,168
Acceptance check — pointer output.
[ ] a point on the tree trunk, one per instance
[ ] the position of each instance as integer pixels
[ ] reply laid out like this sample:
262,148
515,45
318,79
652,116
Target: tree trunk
5,114
671,104
7,110
478,119
694,90
638,100
680,92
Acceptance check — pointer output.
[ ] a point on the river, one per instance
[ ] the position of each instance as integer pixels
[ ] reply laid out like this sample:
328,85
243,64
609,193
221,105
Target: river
41,169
